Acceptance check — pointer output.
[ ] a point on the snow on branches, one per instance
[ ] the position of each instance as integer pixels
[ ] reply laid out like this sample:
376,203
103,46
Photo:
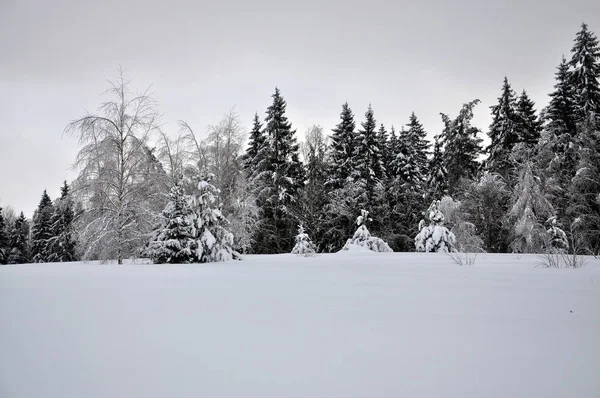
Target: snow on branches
192,229
304,245
362,236
434,237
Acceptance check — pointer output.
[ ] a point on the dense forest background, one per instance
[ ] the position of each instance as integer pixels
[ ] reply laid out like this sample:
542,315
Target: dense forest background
539,174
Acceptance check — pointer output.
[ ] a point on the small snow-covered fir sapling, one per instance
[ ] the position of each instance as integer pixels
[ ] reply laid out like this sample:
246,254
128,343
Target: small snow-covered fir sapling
174,241
434,237
558,237
304,245
362,236
213,241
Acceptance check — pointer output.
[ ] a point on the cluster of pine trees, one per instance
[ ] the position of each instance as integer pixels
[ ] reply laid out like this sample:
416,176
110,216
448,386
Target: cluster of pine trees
541,172
49,237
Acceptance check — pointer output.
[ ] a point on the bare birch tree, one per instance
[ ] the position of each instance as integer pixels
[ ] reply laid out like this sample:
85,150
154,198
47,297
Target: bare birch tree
119,176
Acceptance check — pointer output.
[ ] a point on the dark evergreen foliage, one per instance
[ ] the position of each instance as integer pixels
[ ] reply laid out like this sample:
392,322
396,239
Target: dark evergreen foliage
529,126
437,176
462,146
19,241
41,230
585,75
279,178
503,133
257,142
174,241
4,242
369,163
561,109
342,149
418,139
61,246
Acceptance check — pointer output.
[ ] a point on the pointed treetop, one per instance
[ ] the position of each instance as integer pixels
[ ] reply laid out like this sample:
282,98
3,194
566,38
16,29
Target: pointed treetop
585,62
64,190
45,201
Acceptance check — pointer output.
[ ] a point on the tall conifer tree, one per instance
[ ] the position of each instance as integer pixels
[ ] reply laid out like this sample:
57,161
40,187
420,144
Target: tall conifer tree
529,125
585,63
504,133
560,113
257,142
462,146
19,241
342,149
280,177
4,247
370,169
41,230
61,246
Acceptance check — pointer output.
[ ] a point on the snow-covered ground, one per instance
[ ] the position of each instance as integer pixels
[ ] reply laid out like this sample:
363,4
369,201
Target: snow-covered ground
350,324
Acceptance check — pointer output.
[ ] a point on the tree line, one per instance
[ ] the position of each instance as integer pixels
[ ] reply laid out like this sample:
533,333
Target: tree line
538,177
49,237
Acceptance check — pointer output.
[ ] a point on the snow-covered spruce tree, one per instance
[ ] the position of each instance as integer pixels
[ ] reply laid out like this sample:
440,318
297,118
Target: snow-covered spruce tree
560,112
583,210
558,238
118,178
257,141
434,237
341,152
362,236
4,247
585,75
503,133
212,241
19,241
557,152
219,154
437,175
383,141
407,187
405,164
41,230
304,245
174,241
61,246
418,138
462,146
278,181
530,204
392,150
369,166
528,124
342,193
584,194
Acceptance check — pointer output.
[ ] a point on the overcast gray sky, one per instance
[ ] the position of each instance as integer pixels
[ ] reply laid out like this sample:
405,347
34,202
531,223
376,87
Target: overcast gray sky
204,58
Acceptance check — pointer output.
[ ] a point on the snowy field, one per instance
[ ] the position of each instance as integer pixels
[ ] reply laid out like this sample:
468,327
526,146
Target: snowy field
338,325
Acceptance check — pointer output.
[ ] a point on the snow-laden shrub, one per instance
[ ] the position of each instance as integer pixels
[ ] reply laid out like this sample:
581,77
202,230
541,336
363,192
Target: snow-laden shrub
362,236
434,237
557,237
304,246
